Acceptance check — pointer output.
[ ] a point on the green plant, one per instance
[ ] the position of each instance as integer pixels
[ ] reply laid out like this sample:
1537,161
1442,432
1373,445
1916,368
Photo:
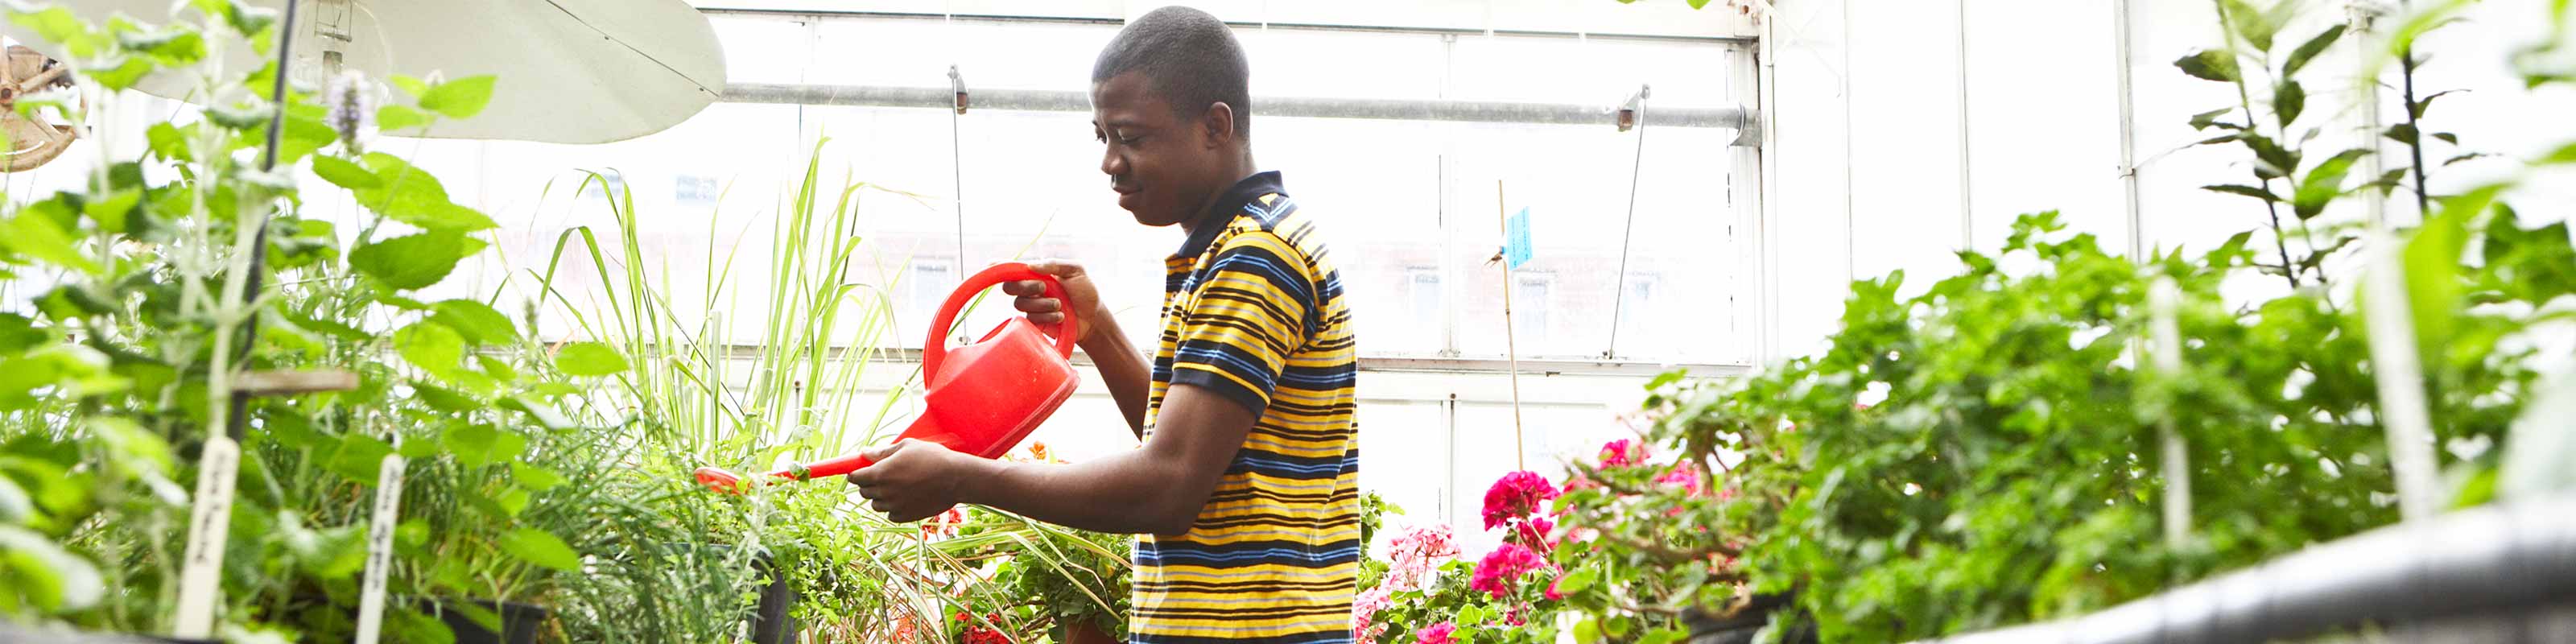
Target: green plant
1988,452
140,339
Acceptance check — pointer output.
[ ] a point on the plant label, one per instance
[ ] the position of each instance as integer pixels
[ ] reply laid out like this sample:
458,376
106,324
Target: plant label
201,567
380,548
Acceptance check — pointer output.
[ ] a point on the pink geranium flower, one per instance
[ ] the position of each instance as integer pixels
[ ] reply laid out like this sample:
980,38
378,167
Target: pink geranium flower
1622,453
1364,610
1535,533
1415,556
1503,568
1515,496
1435,633
1683,476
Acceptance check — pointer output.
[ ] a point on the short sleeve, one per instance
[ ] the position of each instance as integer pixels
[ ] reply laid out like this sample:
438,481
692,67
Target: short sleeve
1249,315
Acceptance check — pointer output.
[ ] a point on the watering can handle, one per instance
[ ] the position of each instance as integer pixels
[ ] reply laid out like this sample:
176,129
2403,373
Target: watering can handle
936,348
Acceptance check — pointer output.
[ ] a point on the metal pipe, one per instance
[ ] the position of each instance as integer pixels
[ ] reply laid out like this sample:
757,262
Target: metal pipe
1356,108
1619,286
2494,561
1114,21
2128,128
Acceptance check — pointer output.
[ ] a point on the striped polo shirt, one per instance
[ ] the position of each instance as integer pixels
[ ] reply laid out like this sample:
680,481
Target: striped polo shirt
1253,311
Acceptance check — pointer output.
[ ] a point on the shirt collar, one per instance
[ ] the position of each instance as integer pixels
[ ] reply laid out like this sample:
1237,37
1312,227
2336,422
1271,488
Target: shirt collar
1226,207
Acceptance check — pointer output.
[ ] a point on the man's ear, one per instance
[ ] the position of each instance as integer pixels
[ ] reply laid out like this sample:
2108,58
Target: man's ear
1217,125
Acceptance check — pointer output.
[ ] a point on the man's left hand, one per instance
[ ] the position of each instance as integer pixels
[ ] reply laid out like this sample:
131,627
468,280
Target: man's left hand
912,480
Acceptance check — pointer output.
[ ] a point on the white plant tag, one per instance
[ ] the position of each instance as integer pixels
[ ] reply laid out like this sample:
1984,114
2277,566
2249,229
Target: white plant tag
380,547
202,567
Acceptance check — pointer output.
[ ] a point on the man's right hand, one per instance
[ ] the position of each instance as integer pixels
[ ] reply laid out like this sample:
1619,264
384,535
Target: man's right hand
1047,312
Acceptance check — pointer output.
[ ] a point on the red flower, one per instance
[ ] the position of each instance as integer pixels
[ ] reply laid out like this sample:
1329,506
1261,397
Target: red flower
1435,633
1504,567
1515,496
1622,453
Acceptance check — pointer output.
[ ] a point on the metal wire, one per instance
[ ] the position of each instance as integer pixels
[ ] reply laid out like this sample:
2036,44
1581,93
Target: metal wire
1619,292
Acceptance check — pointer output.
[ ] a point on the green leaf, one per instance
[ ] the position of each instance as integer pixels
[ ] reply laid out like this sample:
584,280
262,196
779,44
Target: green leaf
2432,266
541,548
409,85
359,458
59,25
2209,64
417,448
2426,103
413,261
248,19
535,478
478,322
37,236
2288,100
2250,24
2204,120
1575,582
413,196
15,505
459,99
512,501
2401,133
169,142
340,172
400,118
2308,51
2324,183
53,579
18,332
432,347
481,444
2271,160
239,117
110,212
173,47
1662,636
590,359
2563,155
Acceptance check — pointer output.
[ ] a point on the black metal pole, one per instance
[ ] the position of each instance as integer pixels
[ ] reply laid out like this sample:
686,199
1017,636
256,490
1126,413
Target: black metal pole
240,418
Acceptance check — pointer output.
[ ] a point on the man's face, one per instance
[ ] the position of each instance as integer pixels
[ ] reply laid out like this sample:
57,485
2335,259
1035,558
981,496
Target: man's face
1157,161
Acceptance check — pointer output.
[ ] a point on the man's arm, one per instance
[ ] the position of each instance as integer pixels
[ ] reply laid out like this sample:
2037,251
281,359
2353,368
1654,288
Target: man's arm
1158,489
1123,368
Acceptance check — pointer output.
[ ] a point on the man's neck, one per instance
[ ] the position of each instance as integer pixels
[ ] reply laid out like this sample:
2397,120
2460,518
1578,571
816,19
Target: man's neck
1198,215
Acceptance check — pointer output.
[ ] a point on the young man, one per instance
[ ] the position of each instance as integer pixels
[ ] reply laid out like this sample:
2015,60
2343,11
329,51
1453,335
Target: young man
1247,485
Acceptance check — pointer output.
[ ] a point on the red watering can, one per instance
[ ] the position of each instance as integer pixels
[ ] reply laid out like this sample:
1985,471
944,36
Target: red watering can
984,397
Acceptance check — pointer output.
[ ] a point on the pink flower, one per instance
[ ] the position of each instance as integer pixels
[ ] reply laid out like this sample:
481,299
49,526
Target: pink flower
1552,593
1504,567
1416,556
1435,633
1681,475
1364,612
1534,533
1515,496
1622,453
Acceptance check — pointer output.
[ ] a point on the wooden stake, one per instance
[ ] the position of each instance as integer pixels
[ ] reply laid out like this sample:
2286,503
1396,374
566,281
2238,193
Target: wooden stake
1511,345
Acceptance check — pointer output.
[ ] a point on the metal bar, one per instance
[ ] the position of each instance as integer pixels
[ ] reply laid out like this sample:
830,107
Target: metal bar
2495,560
2120,49
1355,108
1291,26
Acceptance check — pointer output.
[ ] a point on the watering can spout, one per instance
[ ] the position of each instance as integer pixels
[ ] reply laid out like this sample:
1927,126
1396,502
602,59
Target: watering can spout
983,397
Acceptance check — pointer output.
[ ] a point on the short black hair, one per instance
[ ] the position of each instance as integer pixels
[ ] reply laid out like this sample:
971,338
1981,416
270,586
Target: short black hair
1189,58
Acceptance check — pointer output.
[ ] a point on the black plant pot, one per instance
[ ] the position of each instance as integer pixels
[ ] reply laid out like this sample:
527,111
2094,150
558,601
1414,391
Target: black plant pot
520,623
772,624
1741,627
